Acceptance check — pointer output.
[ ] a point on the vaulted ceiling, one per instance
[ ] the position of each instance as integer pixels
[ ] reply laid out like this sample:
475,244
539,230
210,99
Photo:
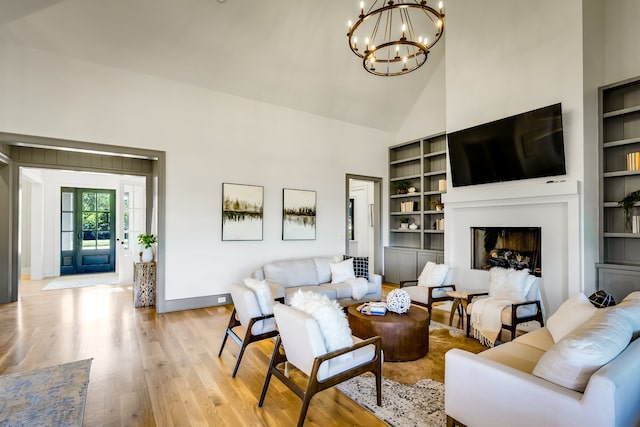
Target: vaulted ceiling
288,53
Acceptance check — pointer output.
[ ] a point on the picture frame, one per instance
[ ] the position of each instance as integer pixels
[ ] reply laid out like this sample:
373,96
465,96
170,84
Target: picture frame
298,214
242,212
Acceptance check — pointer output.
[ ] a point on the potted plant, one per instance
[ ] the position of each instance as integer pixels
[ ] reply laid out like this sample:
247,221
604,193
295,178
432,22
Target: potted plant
404,222
436,204
147,240
402,187
628,204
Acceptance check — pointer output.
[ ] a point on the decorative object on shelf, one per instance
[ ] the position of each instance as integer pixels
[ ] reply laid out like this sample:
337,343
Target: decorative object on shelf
628,203
442,185
633,161
242,209
298,214
401,187
404,222
635,224
146,240
411,190
395,36
413,226
398,301
437,204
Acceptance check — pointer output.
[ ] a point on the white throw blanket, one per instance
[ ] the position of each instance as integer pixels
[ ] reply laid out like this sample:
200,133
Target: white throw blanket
359,287
486,319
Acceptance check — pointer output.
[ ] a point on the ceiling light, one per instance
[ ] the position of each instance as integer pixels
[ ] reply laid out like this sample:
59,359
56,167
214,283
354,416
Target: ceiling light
397,35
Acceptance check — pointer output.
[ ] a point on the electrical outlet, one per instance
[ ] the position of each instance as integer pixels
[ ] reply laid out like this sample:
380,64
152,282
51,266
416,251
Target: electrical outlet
222,299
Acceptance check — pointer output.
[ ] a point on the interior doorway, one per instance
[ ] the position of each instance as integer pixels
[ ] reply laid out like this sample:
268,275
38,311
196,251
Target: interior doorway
69,227
363,219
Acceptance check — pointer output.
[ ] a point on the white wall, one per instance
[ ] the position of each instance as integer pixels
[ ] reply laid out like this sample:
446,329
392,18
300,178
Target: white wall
209,138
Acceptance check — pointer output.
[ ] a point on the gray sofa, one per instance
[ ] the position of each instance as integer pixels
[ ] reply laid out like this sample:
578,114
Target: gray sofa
313,274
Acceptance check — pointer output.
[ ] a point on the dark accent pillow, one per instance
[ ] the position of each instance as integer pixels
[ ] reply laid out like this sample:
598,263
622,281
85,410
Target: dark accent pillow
360,265
601,299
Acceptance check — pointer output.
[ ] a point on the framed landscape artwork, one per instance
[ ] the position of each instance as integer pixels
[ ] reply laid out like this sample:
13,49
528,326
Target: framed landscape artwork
242,209
298,214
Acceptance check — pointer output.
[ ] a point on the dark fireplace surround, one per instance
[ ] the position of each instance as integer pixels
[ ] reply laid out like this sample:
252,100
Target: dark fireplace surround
508,247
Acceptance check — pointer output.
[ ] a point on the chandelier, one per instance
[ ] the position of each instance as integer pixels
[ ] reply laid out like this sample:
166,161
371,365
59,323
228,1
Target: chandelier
394,37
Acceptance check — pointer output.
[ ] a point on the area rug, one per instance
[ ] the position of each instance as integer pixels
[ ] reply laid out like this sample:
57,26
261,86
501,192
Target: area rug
53,396
412,392
82,280
418,405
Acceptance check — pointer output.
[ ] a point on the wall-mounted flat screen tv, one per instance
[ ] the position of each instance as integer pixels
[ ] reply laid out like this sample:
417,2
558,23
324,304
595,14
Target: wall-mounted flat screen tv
527,145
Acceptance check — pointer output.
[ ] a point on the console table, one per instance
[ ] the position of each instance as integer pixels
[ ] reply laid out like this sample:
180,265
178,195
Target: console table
144,284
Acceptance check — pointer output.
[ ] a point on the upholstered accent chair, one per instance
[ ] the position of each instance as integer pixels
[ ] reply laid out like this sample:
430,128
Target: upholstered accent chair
301,344
515,295
431,286
247,312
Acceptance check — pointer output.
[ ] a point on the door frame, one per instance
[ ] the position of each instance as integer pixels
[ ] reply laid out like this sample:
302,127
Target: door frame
155,200
377,218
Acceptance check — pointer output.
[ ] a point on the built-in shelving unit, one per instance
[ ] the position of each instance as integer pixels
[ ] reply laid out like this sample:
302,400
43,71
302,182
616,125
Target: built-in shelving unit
423,164
619,269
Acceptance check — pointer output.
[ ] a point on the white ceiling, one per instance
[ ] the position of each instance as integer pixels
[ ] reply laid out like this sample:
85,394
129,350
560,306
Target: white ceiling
289,53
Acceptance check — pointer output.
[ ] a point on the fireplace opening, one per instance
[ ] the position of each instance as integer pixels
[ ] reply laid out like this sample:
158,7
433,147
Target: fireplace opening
508,247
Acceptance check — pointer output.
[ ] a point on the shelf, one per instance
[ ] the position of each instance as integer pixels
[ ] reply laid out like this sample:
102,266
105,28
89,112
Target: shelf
400,196
620,174
434,231
403,178
615,205
621,112
405,213
433,193
435,153
622,235
437,173
434,212
407,160
621,142
398,230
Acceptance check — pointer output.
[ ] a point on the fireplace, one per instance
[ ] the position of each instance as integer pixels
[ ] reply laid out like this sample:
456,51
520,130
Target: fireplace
508,247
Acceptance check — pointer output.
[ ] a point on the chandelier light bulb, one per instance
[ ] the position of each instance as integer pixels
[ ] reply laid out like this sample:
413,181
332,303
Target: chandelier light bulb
440,6
349,24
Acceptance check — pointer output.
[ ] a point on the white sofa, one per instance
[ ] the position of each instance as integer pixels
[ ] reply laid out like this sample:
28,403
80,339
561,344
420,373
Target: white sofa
498,386
314,274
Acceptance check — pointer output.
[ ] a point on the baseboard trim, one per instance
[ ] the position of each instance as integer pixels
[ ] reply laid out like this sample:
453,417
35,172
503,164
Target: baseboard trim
197,302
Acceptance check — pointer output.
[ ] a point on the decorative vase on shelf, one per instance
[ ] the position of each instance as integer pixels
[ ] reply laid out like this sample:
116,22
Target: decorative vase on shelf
404,225
413,226
411,190
147,254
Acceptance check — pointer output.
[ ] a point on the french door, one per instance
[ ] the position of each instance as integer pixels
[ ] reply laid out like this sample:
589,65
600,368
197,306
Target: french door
87,231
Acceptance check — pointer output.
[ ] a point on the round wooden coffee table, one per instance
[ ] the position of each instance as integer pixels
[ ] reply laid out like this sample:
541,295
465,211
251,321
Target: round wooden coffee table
404,336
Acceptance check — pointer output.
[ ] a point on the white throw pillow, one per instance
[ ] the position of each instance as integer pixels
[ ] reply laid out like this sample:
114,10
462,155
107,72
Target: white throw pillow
633,295
331,319
433,274
630,308
571,314
263,294
571,361
359,287
342,271
509,284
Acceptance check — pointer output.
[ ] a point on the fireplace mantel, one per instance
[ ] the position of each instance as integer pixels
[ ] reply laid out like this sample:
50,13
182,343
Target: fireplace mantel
516,192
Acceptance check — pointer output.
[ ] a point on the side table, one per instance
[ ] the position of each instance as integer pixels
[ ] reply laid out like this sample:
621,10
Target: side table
144,284
462,298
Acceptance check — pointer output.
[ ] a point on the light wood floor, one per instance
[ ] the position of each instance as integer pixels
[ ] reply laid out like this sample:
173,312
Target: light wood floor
155,369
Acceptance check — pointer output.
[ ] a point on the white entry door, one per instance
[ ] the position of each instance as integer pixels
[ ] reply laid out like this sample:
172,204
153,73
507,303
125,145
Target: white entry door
131,223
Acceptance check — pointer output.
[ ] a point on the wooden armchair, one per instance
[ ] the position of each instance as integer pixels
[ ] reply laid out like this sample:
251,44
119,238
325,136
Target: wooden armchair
247,313
304,348
427,295
518,312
